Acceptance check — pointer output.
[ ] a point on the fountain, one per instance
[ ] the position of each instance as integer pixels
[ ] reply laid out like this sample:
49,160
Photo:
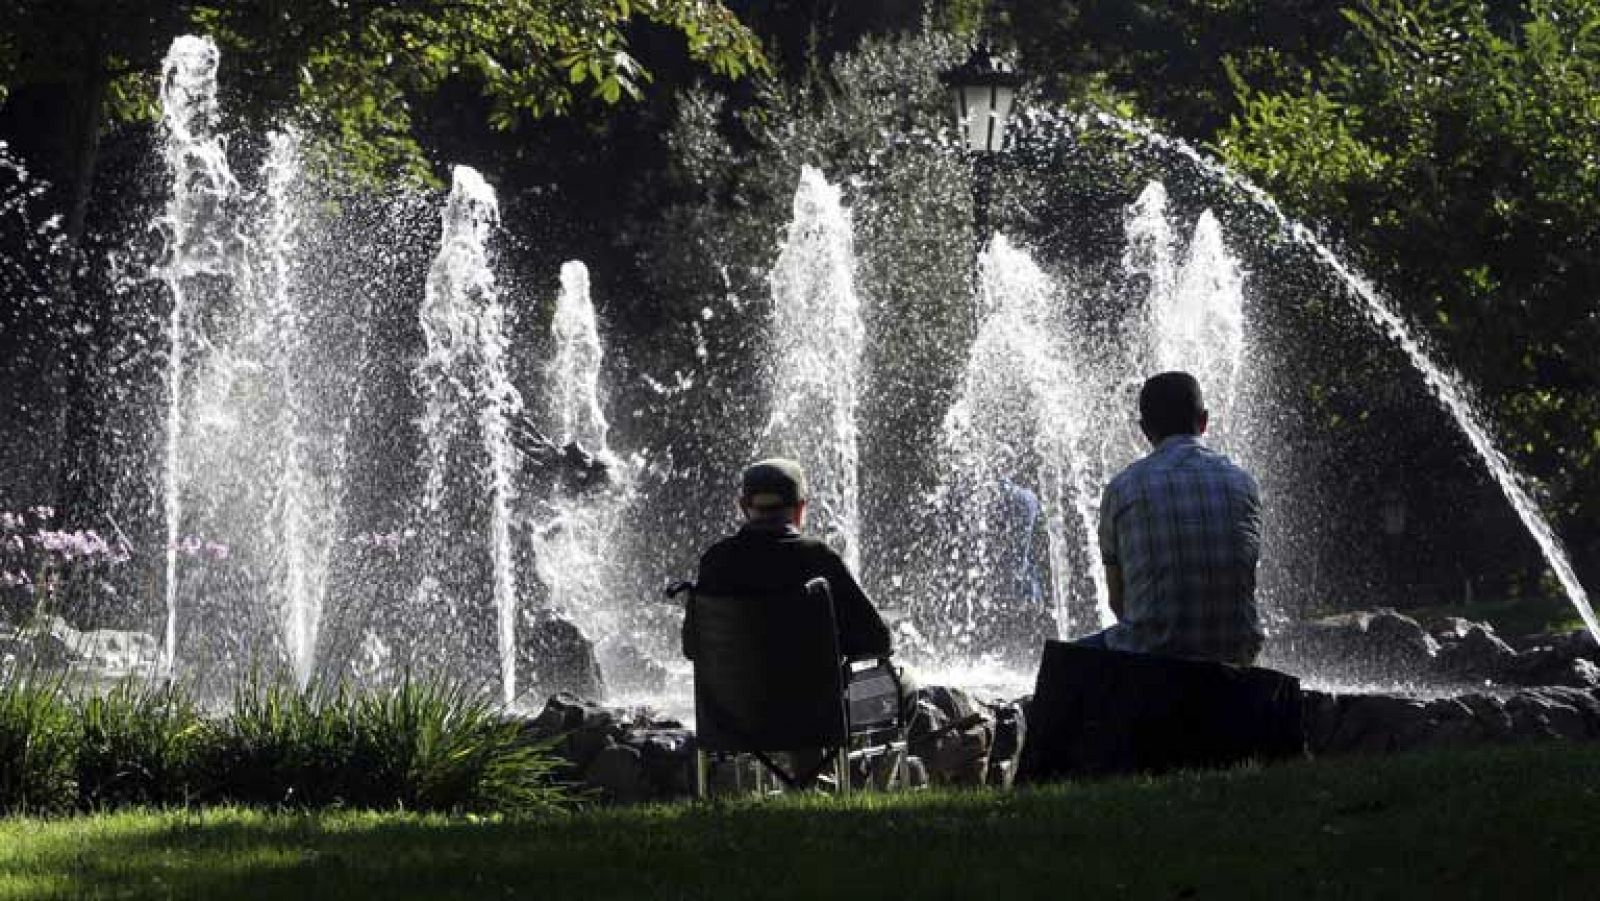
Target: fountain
469,405
1012,466
575,411
262,444
1446,386
195,247
816,339
574,526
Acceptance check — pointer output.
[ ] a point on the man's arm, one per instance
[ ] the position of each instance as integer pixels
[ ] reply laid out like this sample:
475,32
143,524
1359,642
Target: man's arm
862,633
1108,551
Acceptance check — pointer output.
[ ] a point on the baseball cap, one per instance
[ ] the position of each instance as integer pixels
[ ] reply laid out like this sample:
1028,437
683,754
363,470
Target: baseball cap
772,484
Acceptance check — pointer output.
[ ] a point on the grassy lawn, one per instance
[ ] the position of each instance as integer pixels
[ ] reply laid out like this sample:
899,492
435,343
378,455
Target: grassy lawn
1502,823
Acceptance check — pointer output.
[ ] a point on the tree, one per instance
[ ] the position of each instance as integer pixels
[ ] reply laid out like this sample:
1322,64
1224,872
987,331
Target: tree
1457,144
352,69
1174,60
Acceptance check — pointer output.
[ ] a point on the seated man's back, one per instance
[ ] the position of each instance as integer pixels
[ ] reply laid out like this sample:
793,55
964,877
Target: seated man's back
1180,534
769,556
764,559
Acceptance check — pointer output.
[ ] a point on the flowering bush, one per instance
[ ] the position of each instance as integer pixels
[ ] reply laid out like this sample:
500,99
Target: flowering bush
40,565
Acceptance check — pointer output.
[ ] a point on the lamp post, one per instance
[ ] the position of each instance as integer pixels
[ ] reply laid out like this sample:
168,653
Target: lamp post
984,89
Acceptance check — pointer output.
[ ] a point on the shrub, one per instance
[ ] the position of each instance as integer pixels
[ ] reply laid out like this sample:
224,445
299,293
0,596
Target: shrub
140,744
426,746
38,733
436,746
281,746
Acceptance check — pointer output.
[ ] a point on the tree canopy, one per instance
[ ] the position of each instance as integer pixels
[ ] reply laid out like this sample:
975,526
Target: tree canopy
355,69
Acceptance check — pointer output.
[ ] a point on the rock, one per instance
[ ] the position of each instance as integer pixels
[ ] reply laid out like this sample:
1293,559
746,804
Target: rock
1320,713
553,655
1452,628
1450,723
1477,654
1358,646
116,653
1554,712
1364,724
566,712
1370,724
1576,643
618,773
1581,673
1395,630
1490,714
584,729
668,757
51,643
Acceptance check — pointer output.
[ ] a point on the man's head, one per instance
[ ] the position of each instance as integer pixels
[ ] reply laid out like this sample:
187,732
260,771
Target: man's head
773,489
1170,404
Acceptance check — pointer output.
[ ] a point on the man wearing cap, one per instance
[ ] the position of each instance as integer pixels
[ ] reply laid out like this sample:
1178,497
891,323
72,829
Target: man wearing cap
768,555
1180,535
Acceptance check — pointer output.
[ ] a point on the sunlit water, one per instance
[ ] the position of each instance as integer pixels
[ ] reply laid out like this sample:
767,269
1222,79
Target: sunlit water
1444,384
256,432
469,405
815,352
193,226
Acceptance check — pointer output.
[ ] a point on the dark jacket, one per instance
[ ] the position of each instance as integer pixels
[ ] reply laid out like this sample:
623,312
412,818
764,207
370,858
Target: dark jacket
766,559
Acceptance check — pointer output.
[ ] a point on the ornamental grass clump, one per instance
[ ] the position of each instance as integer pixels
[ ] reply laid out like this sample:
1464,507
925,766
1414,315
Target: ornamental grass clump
38,734
283,746
438,746
140,744
423,746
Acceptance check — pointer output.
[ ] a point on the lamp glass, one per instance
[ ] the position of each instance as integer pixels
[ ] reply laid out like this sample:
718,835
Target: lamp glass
983,111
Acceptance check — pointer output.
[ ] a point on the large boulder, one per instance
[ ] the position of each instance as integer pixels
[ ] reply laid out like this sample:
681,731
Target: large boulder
116,653
1361,646
618,773
1380,724
1474,652
553,655
1554,712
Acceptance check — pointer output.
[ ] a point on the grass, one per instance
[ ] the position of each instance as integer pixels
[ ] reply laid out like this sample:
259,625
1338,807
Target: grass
1488,823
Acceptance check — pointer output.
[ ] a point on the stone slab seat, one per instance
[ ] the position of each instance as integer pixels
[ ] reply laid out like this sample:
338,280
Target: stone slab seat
1103,713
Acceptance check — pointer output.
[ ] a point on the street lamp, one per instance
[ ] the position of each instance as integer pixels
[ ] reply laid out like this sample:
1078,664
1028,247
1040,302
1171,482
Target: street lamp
984,89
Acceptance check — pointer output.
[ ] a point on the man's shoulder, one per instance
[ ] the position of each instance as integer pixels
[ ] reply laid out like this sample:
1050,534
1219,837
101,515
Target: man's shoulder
791,542
1231,471
1131,474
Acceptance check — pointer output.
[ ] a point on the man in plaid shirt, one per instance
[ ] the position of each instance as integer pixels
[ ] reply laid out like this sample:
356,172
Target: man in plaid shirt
1180,534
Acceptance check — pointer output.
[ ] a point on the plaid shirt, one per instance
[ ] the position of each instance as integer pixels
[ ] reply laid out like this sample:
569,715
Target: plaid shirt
1184,526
